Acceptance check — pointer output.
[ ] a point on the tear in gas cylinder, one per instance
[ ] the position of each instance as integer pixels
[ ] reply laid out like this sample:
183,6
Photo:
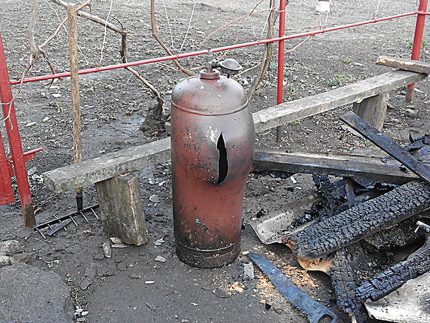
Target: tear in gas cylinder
212,149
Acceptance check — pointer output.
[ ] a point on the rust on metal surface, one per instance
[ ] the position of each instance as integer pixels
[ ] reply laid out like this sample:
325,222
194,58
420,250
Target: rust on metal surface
212,149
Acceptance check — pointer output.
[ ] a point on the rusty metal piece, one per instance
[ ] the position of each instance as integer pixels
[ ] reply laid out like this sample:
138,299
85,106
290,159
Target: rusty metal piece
229,66
314,311
212,149
422,225
57,222
388,145
57,227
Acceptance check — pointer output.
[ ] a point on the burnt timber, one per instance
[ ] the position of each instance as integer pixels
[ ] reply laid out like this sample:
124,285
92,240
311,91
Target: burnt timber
388,145
344,284
394,277
336,232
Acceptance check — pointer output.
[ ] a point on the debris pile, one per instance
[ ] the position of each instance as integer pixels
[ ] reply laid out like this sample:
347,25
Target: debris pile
354,230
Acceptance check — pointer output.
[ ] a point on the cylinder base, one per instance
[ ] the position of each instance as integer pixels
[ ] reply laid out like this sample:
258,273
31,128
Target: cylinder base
208,258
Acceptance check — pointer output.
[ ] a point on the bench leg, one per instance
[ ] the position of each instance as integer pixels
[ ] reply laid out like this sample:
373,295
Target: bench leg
373,110
122,212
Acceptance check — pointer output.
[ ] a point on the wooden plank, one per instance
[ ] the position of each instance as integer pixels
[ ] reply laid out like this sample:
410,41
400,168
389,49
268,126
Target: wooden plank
108,166
404,64
373,110
135,158
122,211
299,109
374,168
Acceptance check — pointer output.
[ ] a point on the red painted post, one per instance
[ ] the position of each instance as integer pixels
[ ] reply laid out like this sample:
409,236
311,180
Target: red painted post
281,55
14,139
418,40
6,191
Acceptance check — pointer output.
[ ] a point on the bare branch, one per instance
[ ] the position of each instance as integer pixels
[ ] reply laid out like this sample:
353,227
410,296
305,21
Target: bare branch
156,34
267,56
105,32
93,18
31,31
54,34
217,30
168,24
189,26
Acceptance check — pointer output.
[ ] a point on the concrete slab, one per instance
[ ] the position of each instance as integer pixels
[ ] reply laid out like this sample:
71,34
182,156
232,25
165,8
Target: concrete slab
28,294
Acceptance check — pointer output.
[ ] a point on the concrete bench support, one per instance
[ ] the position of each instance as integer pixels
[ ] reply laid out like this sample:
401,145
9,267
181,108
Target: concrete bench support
122,212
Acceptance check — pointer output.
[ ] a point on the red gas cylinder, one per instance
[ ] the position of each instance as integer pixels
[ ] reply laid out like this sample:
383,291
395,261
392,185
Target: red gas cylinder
212,150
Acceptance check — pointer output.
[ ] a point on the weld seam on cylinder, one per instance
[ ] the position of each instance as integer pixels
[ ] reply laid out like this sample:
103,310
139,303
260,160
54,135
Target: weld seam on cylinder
209,114
206,250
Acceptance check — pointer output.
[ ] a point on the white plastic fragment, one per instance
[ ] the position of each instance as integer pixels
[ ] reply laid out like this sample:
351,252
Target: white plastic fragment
107,250
160,259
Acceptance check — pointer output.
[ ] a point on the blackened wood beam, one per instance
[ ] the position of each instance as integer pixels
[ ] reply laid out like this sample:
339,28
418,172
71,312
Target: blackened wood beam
388,145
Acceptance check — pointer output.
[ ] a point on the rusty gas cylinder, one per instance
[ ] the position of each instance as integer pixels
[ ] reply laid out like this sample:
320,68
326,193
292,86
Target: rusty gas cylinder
212,150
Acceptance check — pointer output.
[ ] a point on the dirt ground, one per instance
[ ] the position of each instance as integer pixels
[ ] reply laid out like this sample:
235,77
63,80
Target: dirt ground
114,105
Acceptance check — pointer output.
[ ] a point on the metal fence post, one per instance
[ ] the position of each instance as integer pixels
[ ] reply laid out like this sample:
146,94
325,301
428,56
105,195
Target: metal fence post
281,55
14,139
418,40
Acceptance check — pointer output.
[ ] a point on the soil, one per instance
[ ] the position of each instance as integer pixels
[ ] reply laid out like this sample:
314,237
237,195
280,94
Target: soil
114,105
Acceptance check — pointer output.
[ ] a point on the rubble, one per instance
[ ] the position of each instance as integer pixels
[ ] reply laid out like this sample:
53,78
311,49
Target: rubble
8,249
248,271
352,225
353,216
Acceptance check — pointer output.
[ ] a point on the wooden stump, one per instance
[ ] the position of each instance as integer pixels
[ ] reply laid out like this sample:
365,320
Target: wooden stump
373,110
122,212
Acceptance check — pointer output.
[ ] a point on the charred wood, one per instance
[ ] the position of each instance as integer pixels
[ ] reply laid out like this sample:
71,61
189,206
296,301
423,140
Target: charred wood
344,284
394,277
399,236
333,233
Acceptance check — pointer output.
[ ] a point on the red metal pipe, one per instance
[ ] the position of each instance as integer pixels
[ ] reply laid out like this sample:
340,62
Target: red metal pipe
208,51
418,40
14,139
6,191
281,54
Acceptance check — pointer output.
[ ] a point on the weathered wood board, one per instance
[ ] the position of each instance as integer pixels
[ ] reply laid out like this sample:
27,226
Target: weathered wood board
299,109
404,64
374,168
373,110
135,158
122,210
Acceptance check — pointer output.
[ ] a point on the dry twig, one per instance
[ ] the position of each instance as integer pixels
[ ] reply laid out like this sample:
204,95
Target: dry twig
156,35
267,56
189,26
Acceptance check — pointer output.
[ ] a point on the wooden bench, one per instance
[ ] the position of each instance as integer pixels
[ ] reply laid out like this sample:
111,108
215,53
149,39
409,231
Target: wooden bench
368,96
